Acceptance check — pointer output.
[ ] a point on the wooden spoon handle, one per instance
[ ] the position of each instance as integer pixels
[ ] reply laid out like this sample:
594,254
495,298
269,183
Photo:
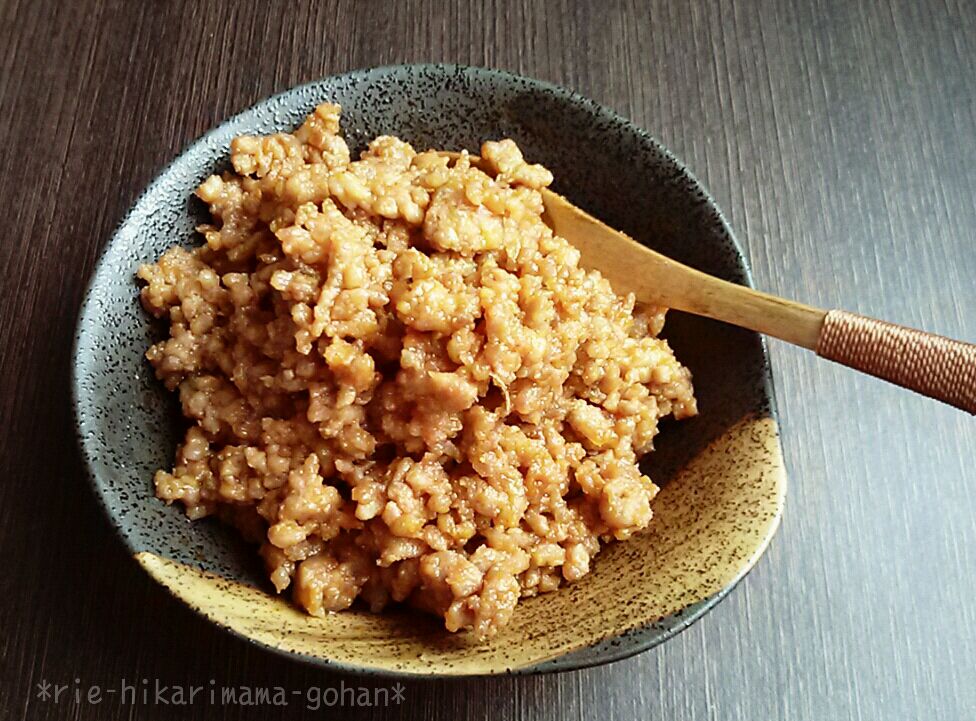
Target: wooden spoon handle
929,364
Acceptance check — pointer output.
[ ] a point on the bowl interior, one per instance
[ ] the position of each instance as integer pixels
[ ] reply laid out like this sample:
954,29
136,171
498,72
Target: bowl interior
722,472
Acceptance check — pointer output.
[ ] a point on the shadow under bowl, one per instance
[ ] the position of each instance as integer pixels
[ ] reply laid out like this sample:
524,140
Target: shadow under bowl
722,473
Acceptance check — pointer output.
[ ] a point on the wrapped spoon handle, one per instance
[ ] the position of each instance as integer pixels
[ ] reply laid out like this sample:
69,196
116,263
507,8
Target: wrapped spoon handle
927,363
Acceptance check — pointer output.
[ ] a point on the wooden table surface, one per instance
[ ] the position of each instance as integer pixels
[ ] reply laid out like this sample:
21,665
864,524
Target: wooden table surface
840,139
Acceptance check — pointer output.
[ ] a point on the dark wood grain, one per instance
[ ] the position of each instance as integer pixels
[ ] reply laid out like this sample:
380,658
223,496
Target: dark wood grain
837,136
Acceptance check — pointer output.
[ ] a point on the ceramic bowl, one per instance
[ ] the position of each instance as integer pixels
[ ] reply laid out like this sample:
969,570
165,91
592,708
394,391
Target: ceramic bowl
722,472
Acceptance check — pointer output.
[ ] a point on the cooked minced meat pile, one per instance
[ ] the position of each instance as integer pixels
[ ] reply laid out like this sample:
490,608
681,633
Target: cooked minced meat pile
399,382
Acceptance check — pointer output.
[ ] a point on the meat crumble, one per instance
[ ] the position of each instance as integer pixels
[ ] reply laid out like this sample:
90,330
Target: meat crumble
399,382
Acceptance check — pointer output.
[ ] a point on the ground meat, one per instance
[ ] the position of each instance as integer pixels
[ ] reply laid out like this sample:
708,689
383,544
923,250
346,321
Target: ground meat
400,381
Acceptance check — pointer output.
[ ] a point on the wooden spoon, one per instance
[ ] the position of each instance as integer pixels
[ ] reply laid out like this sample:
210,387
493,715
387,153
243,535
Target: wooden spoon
929,364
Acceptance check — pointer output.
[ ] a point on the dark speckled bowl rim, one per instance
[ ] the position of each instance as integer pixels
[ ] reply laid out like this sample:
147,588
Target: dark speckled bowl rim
612,649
